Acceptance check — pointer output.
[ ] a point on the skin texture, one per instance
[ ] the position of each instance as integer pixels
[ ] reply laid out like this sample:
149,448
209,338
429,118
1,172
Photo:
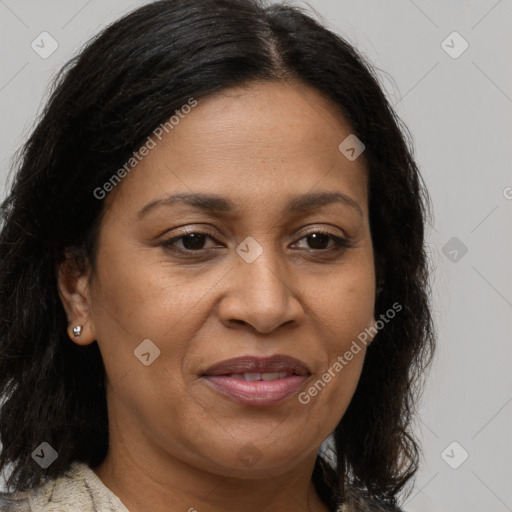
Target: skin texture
174,441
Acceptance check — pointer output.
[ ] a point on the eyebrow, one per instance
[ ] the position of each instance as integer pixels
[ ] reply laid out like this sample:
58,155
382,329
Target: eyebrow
217,204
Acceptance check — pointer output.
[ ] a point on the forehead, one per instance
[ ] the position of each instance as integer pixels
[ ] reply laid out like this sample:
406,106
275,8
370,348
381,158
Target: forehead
266,139
285,120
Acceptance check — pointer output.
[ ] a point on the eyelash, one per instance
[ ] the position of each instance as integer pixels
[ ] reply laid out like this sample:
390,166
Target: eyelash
340,243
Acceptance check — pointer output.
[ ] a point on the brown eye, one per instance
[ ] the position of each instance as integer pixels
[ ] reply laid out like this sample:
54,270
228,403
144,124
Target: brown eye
319,240
194,241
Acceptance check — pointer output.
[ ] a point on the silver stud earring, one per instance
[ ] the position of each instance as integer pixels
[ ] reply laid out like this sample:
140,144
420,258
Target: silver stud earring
77,331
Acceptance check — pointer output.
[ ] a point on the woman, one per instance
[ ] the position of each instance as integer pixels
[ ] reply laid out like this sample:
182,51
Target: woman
212,262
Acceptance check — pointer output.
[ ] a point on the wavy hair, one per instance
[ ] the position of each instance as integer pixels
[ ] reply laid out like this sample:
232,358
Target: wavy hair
103,104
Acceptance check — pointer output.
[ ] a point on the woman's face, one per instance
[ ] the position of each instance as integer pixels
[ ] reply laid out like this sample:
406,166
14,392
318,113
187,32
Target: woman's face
255,283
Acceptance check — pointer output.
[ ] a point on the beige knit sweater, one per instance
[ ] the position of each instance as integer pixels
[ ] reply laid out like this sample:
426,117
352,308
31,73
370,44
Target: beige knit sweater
80,490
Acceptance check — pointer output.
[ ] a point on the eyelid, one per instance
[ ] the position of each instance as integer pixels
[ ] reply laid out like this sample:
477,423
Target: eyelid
309,229
324,230
200,231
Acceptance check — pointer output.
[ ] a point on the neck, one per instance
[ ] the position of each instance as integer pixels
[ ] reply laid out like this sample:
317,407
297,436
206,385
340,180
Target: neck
171,485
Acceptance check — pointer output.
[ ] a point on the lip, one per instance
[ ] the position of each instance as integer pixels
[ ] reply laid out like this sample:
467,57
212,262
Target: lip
224,377
253,364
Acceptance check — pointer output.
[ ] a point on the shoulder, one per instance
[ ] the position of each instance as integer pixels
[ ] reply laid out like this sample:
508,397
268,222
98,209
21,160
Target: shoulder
17,502
356,501
78,490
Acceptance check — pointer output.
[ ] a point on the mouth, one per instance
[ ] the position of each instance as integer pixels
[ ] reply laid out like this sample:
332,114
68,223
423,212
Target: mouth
252,376
258,381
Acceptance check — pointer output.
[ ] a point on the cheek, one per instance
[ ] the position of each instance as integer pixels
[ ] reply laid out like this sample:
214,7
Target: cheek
344,310
143,298
330,391
345,302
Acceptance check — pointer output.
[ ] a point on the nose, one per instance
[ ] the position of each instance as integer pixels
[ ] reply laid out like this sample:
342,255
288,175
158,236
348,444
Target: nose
261,295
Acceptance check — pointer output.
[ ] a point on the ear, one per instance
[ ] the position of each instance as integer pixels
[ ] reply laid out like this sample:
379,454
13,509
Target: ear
74,291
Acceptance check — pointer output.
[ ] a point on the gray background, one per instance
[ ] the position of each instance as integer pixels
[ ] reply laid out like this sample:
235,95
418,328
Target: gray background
459,111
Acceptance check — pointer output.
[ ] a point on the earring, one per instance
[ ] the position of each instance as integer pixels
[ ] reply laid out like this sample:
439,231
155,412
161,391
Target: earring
77,331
